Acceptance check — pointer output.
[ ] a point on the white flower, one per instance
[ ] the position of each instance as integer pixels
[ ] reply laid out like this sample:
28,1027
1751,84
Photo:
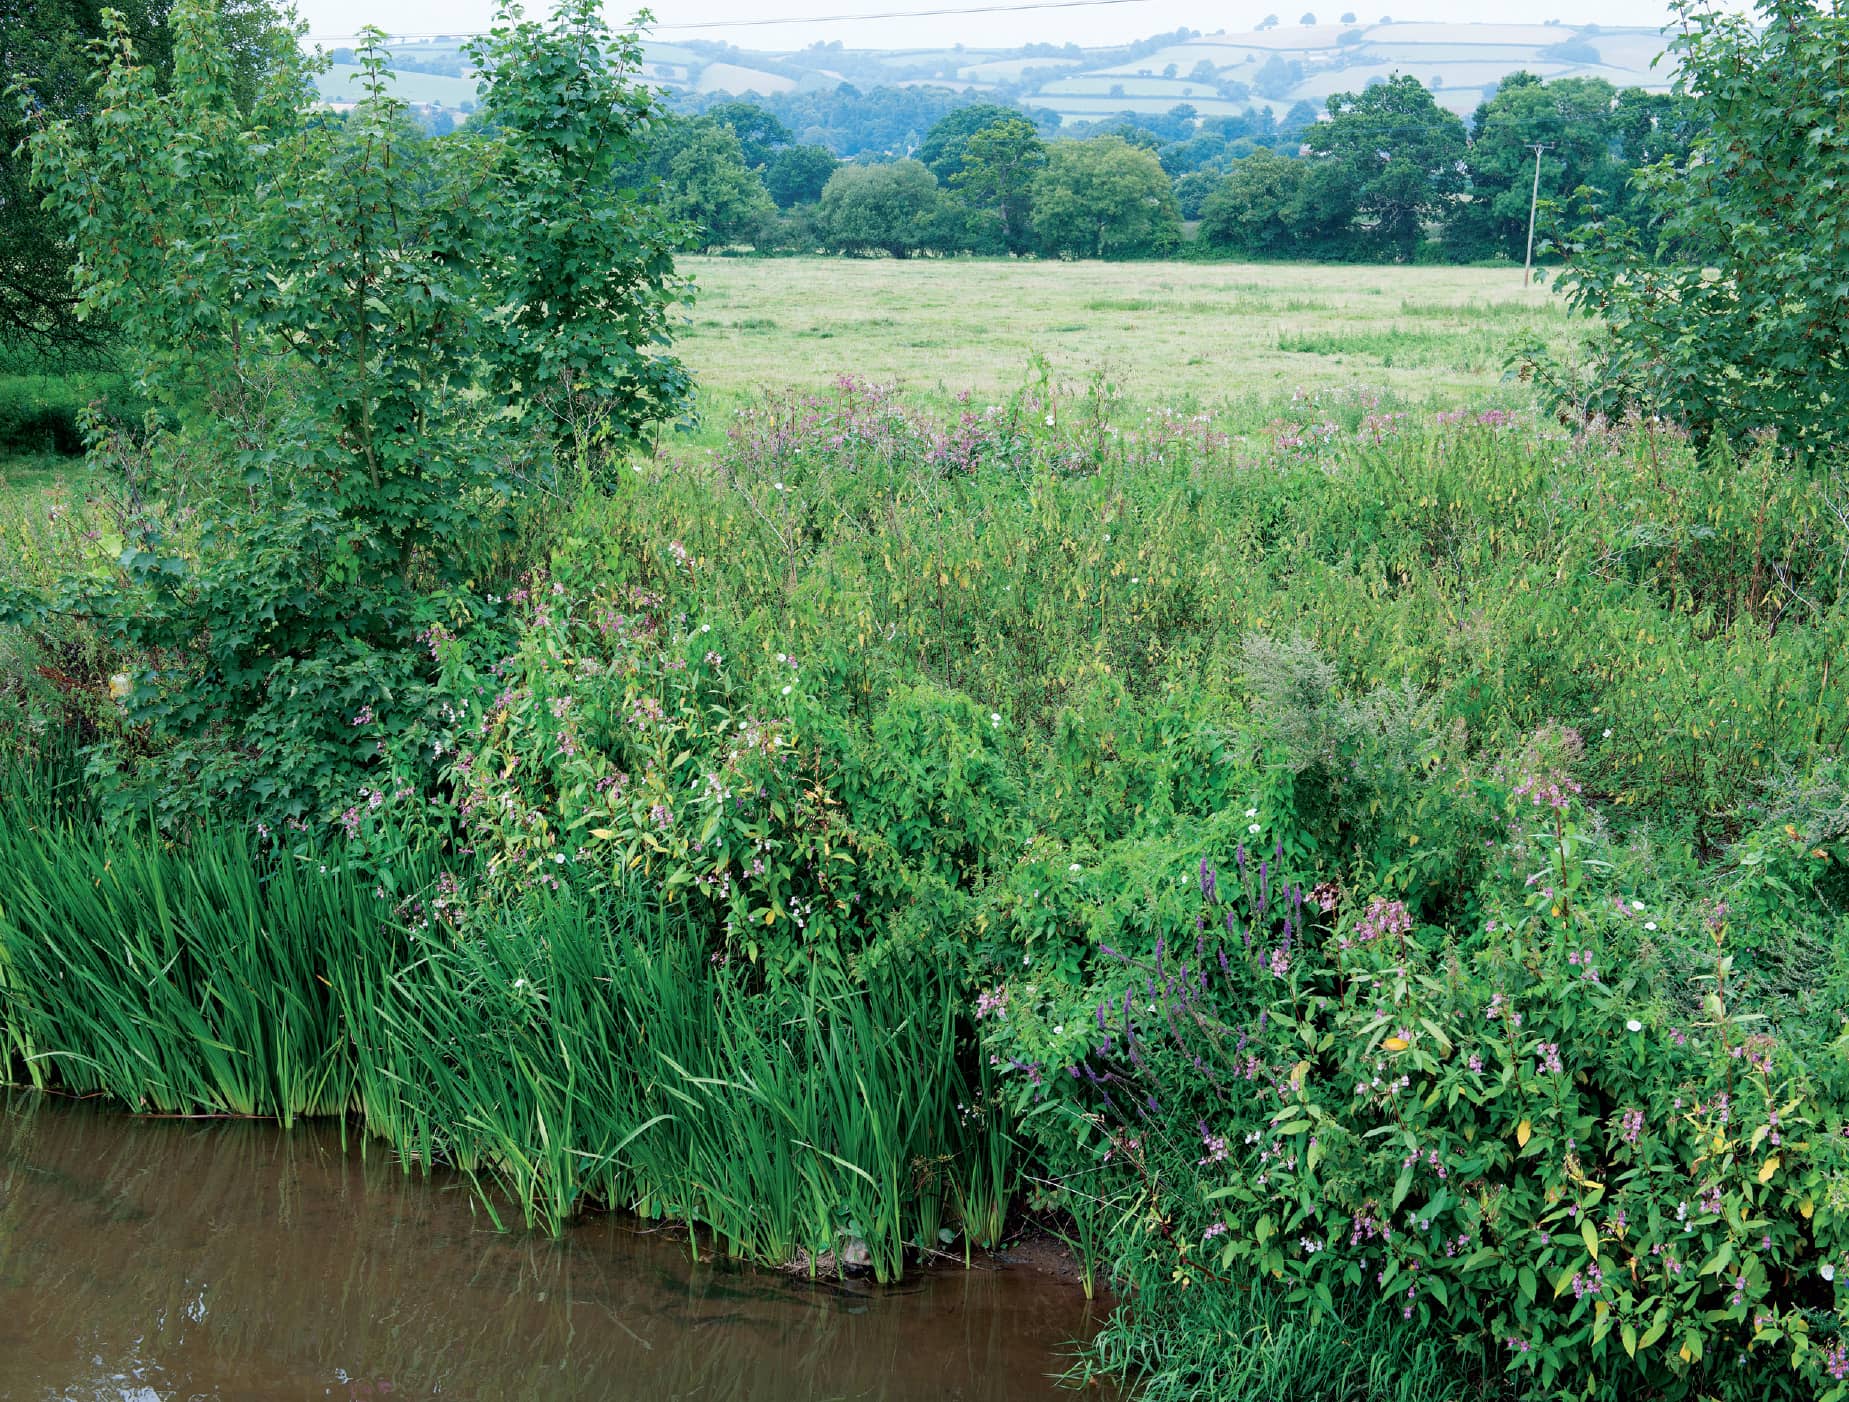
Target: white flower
559,857
1637,905
706,627
1607,732
779,486
1135,580
1073,867
1649,924
1633,1026
786,691
1253,828
1060,1030
519,983
1829,1271
1107,537
1251,812
995,717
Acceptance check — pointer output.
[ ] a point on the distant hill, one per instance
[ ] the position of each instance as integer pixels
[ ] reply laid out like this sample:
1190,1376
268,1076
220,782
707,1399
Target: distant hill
1217,74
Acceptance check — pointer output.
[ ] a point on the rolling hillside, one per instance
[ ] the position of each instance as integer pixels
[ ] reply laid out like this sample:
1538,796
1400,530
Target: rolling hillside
1216,73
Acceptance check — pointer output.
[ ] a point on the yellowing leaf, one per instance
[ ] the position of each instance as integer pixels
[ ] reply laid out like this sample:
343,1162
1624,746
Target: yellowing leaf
1522,1131
1768,1168
1590,1235
1396,1044
603,834
1806,1208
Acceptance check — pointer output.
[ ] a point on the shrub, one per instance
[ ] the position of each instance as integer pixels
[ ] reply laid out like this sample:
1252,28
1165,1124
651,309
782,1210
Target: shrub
1568,1138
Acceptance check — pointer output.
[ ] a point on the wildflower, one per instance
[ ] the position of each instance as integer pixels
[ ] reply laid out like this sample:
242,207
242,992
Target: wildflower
1547,1059
1214,1144
1253,828
1649,924
364,717
1633,1025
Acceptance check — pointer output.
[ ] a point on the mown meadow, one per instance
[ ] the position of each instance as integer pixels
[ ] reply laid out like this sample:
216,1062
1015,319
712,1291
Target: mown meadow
1364,866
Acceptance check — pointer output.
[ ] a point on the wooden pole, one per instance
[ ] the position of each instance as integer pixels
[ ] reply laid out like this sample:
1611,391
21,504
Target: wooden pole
1534,199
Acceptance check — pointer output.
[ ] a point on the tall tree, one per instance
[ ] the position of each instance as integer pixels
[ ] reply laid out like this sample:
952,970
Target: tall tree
706,182
760,135
1398,155
1570,118
942,149
1000,163
1104,198
798,174
1254,211
896,209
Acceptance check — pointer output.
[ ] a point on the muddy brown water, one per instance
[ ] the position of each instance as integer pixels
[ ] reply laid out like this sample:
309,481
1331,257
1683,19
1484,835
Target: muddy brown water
145,1260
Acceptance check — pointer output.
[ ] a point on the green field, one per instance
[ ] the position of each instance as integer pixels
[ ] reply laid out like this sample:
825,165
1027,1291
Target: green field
1229,338
1238,340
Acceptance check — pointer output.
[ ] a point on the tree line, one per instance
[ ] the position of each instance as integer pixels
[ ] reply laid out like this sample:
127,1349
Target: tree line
1386,174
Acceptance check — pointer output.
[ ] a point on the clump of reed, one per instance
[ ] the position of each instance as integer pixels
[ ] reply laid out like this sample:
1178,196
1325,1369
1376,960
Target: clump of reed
563,1052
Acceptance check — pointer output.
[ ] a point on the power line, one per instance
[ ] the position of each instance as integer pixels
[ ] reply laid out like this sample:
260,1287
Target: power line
761,22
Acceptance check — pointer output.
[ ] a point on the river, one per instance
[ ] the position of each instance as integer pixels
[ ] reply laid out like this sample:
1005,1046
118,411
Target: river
150,1259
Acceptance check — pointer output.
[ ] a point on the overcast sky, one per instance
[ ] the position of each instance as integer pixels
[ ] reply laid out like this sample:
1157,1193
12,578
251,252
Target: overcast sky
1109,22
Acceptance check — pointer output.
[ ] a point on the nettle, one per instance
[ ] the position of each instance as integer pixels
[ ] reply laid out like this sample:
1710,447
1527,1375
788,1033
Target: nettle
1568,1138
373,346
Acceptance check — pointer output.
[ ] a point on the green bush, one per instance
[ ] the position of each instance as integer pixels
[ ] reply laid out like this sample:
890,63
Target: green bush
1571,1137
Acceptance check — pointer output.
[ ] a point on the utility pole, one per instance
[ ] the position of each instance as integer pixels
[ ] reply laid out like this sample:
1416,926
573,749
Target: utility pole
1534,199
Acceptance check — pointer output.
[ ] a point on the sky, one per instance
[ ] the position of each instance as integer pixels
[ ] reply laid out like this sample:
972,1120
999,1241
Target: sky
858,23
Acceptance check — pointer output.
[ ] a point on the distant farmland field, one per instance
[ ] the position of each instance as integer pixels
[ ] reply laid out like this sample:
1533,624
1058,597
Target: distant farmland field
1223,337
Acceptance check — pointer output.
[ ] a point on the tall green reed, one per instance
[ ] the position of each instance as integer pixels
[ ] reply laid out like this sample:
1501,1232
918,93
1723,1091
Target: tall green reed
563,1051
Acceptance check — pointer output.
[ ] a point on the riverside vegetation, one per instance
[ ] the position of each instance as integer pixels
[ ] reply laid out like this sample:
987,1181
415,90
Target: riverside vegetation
1373,879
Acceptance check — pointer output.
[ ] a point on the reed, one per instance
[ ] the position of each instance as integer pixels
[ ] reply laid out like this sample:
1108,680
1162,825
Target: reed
566,1051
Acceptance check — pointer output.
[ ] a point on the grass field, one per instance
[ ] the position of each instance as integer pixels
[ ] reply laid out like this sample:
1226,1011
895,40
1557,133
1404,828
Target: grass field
1230,338
1237,340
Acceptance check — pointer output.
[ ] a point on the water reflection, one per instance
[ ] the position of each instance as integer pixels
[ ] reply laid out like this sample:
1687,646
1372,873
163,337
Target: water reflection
152,1260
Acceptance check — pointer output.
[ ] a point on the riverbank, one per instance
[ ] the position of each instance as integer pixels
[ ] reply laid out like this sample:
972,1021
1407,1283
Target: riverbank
1352,878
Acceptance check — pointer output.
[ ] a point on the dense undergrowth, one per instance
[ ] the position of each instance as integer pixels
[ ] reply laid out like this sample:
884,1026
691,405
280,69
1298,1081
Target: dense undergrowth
1376,886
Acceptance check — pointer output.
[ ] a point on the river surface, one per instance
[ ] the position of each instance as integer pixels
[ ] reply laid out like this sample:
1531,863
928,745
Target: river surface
145,1260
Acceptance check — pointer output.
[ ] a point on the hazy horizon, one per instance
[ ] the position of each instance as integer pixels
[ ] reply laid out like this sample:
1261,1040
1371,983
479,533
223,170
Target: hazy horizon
873,24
